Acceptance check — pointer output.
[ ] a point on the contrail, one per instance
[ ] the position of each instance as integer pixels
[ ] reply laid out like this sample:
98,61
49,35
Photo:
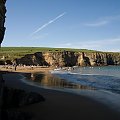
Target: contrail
46,24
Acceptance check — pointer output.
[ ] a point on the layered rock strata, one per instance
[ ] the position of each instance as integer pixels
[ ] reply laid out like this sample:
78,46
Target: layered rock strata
68,58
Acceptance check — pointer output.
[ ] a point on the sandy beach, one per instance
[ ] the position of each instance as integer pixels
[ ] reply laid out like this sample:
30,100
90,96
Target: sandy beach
59,105
26,69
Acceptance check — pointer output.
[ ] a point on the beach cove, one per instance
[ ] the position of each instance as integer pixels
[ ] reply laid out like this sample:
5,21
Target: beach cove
59,104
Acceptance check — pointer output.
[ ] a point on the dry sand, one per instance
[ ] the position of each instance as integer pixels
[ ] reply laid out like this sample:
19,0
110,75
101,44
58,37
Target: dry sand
60,105
26,69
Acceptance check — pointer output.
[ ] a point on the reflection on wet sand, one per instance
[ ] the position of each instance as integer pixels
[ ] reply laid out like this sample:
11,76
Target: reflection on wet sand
50,80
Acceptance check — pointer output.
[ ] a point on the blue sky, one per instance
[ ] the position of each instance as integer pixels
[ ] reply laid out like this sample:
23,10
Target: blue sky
83,24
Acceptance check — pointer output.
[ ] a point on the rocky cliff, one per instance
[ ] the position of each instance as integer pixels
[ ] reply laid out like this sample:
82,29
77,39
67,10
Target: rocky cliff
69,58
2,31
2,19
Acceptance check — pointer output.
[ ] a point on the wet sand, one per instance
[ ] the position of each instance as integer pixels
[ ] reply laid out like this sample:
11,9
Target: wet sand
60,105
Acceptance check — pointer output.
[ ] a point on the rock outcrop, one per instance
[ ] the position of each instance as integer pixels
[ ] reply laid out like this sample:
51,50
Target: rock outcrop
14,98
2,31
2,19
68,58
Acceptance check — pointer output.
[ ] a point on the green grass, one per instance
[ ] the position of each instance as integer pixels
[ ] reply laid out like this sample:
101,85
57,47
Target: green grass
41,49
17,52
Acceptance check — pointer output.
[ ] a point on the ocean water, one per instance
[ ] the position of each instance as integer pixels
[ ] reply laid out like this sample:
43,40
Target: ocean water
99,83
105,81
102,78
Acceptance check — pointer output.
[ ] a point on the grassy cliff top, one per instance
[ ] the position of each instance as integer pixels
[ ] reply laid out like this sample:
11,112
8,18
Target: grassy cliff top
17,52
40,49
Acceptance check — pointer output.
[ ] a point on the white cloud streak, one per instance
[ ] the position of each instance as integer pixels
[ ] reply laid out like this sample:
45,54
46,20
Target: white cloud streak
48,23
97,24
103,21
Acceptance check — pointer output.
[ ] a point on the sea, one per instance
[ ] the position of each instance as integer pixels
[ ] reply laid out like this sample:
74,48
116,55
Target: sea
99,83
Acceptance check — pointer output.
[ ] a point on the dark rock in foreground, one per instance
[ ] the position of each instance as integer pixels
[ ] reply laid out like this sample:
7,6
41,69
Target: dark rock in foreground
2,19
13,98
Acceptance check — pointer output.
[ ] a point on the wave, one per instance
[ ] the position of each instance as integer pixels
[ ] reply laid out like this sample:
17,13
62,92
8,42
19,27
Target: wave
98,81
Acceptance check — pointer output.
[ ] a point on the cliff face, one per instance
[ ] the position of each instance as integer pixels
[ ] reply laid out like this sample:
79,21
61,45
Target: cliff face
61,58
99,59
70,59
2,19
